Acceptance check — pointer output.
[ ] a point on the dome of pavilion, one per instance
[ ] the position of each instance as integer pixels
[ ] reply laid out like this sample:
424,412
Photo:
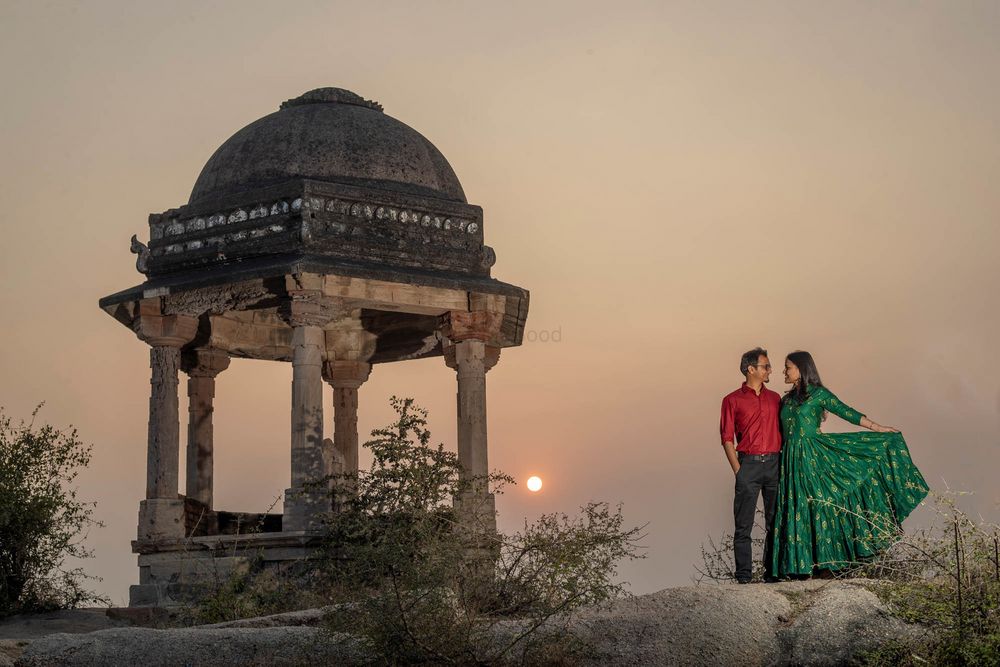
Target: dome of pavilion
331,135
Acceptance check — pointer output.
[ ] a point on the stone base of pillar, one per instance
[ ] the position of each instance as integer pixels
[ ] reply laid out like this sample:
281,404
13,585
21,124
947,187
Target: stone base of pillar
477,521
161,519
184,571
179,578
304,509
477,513
165,595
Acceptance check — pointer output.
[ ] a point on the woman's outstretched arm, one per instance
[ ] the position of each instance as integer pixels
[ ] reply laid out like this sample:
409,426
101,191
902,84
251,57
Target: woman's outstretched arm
846,412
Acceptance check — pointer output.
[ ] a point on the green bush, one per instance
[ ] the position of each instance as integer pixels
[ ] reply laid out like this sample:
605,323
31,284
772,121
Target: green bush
42,522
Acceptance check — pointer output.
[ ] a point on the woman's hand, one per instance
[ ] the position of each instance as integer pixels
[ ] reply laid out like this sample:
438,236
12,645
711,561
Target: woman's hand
878,428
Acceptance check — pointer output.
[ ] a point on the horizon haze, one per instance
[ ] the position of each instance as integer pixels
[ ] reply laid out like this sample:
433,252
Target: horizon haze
675,183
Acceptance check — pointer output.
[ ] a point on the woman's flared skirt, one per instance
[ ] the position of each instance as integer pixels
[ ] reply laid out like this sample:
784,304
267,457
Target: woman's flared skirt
841,499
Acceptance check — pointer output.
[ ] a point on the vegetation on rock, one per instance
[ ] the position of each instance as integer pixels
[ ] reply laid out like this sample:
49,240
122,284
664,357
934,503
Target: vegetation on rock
944,578
947,579
42,522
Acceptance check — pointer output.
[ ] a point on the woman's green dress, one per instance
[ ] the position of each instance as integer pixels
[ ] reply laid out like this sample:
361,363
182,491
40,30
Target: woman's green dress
841,496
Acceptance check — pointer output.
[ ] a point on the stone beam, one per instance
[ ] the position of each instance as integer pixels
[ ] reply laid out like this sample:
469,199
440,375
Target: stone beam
402,297
244,335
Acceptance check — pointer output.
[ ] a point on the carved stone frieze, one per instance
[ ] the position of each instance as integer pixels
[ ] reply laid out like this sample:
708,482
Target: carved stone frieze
310,308
217,300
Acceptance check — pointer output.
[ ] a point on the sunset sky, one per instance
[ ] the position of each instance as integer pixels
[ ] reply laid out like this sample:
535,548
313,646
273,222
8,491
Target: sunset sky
674,182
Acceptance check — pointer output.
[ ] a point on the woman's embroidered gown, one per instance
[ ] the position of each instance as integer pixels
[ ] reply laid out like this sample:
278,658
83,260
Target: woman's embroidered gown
841,496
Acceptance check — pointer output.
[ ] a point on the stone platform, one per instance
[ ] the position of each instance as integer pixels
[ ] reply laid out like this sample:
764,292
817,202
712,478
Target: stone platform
173,574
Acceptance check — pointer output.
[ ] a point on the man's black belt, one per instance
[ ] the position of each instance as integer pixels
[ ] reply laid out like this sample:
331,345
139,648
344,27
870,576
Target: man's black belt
758,457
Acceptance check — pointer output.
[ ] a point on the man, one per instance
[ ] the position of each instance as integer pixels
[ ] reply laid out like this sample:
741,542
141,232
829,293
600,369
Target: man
751,438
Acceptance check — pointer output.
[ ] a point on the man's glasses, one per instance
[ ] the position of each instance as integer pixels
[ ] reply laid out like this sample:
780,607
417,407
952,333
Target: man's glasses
766,367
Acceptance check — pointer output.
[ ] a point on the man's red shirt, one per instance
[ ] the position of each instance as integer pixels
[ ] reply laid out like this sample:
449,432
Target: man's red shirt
751,421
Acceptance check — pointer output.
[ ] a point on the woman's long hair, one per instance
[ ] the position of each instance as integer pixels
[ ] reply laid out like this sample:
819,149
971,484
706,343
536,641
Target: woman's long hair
808,376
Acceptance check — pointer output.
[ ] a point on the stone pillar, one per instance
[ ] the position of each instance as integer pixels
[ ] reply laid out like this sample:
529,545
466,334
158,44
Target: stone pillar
346,377
202,366
469,353
302,502
161,515
307,311
163,434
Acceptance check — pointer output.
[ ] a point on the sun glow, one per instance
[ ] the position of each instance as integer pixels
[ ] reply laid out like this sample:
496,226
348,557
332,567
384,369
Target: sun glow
534,484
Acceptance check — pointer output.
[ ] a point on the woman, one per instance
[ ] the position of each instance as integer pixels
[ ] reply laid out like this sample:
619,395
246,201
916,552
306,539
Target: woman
841,496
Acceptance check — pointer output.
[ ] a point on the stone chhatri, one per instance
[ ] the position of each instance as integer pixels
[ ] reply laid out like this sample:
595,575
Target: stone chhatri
334,237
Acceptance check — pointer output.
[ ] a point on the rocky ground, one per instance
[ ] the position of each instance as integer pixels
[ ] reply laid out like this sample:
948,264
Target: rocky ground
792,623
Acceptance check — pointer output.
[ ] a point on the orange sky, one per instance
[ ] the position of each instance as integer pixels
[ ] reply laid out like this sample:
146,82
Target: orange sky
674,182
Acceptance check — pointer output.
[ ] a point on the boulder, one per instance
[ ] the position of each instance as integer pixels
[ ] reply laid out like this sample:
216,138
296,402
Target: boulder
195,647
28,626
696,625
836,624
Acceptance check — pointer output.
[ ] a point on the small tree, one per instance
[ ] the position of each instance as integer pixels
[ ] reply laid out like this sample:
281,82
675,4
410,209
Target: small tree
41,520
396,549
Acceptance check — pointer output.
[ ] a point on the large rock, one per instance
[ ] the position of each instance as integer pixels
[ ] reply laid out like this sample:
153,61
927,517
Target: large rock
812,622
29,626
195,647
700,625
797,623
835,624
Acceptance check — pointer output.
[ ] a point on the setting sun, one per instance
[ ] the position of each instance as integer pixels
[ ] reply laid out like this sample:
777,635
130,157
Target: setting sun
534,484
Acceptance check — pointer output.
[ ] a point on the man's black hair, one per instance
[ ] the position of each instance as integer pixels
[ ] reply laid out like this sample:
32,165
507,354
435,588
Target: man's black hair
750,358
